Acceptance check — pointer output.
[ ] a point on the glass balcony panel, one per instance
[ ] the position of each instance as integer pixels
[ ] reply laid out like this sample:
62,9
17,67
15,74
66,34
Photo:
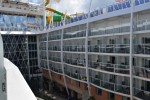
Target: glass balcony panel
116,68
121,68
109,48
108,85
142,94
95,81
75,75
77,62
122,88
79,48
56,59
142,48
141,71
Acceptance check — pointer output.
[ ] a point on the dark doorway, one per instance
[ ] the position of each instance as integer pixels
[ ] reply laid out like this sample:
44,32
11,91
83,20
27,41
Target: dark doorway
148,86
113,60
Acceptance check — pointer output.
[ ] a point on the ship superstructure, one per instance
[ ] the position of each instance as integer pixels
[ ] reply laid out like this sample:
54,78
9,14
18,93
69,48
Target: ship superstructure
82,61
64,51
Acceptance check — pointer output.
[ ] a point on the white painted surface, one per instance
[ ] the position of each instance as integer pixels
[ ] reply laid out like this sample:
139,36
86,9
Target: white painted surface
17,87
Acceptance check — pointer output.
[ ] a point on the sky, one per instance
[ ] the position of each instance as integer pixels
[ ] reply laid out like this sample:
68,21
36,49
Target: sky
79,6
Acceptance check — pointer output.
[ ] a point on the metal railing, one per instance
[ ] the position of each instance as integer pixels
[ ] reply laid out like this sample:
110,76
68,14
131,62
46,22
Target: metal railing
57,69
141,93
80,33
78,62
75,75
54,37
109,30
109,48
56,59
116,68
55,48
142,48
113,86
141,71
76,48
142,25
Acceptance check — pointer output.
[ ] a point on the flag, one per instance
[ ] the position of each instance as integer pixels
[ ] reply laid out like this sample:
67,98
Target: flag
121,0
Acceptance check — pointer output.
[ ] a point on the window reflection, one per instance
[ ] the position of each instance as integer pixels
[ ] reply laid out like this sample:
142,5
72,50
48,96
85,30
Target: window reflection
19,22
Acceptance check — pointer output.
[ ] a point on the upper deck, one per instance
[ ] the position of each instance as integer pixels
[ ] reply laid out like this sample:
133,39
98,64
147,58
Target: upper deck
115,10
14,7
110,11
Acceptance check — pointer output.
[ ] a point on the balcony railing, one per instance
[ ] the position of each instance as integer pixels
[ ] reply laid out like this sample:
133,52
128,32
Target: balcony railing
43,57
42,47
142,25
142,48
56,59
43,38
116,68
111,85
54,37
56,69
75,75
122,88
43,64
141,93
54,48
110,48
80,33
74,48
78,62
141,71
110,30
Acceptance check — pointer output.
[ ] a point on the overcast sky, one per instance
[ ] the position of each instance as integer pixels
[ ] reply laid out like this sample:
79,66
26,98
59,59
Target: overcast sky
73,6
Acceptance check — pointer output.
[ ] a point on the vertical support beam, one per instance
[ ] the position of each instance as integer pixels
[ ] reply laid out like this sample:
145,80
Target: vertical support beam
86,58
62,62
86,49
38,59
49,70
38,51
131,50
44,14
26,22
28,57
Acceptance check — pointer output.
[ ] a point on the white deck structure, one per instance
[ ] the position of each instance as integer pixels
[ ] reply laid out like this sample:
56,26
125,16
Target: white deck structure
13,85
